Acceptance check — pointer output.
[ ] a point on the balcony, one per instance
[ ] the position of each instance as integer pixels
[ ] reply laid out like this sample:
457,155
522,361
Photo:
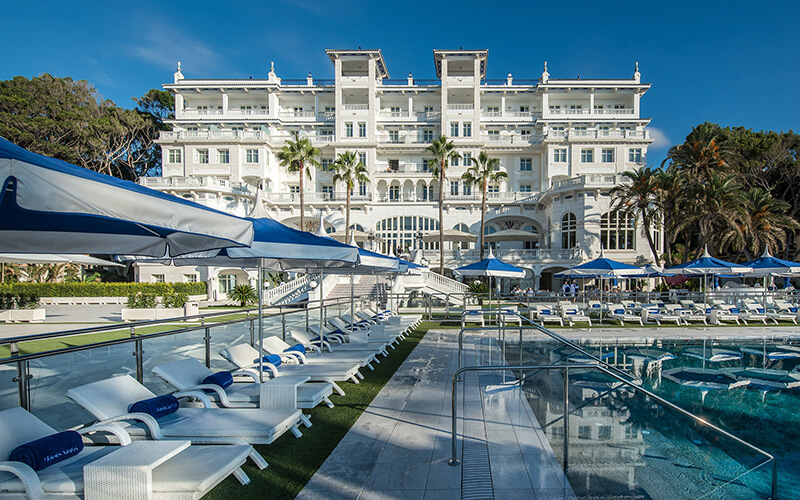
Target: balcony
512,139
208,183
511,256
219,113
298,115
403,139
588,111
460,107
356,107
339,197
511,115
597,134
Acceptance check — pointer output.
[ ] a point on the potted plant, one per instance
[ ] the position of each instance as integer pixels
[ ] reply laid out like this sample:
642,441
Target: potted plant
243,294
21,307
144,306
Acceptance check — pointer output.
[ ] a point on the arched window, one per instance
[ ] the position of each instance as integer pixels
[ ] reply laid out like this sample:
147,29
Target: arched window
400,233
617,231
569,230
357,227
487,230
461,227
530,245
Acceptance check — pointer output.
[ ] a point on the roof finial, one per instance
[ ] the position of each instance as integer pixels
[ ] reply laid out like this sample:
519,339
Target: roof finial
178,75
636,75
545,74
272,77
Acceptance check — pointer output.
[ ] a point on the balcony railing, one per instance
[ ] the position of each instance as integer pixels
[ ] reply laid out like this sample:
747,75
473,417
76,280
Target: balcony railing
429,115
586,180
538,254
597,134
316,197
208,182
297,114
356,107
589,111
394,114
512,138
459,107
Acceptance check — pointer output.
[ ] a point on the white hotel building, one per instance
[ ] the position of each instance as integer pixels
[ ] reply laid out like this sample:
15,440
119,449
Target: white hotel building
563,144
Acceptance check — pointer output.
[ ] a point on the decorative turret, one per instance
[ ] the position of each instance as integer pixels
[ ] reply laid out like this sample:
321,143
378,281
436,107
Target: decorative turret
545,75
509,79
637,77
309,80
178,75
272,77
410,79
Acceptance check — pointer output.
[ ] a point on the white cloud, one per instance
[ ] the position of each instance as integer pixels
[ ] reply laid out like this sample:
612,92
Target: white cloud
164,46
660,139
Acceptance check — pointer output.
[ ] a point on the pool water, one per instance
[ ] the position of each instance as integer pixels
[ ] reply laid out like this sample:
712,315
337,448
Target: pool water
623,444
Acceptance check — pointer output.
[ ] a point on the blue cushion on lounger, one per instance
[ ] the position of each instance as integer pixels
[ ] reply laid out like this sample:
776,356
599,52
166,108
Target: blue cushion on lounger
619,311
760,310
272,359
156,407
734,310
793,309
222,379
48,450
297,347
545,311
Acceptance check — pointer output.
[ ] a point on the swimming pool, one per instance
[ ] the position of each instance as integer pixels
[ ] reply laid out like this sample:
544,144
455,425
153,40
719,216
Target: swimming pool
625,445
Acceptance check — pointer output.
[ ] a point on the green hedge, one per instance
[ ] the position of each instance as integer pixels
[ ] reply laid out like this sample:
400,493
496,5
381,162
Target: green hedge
102,289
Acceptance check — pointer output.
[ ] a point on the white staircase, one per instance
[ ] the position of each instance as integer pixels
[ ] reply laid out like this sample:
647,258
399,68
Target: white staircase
291,291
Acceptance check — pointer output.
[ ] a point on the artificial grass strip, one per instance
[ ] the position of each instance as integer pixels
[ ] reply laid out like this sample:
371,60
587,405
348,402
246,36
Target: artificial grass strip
292,462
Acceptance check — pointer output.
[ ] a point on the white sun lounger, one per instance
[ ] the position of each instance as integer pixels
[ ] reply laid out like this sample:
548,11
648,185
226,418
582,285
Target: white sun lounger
245,357
687,315
573,314
757,310
308,339
651,312
189,473
546,314
620,314
188,374
274,345
109,399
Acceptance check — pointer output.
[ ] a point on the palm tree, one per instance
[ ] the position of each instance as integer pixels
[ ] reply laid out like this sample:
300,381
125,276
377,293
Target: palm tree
702,153
767,223
484,170
639,199
348,170
717,208
443,151
295,156
668,188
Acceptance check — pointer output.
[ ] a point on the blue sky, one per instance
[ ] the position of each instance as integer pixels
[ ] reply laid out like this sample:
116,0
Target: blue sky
731,62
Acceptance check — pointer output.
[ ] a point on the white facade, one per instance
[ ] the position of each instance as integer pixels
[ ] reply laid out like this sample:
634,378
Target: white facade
563,144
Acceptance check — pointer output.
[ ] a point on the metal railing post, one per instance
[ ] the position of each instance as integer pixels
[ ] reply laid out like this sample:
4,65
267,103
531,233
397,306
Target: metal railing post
283,324
447,306
566,418
252,333
23,380
207,340
138,354
430,312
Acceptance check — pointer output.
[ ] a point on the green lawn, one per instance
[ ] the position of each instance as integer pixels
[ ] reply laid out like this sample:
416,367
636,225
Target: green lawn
292,461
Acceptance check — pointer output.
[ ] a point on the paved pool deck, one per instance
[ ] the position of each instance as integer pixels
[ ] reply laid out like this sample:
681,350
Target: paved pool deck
401,445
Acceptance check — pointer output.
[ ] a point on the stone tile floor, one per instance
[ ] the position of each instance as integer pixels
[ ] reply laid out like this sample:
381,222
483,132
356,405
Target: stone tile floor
400,447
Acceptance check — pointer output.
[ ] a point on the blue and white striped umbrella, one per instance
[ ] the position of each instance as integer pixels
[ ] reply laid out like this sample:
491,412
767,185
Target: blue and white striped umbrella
51,206
601,267
706,264
490,266
769,265
276,247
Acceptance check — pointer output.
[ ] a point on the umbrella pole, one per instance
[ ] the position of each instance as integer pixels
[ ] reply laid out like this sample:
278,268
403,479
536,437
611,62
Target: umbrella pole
352,311
260,325
766,280
321,309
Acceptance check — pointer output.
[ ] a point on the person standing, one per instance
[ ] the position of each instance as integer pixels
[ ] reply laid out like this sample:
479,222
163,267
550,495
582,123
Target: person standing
573,288
566,289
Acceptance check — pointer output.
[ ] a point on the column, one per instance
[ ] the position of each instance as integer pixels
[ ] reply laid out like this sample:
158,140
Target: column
317,111
337,99
410,106
444,122
178,105
272,100
224,103
591,102
372,99
503,105
476,111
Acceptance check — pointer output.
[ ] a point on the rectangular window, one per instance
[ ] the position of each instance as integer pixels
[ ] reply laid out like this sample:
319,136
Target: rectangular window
394,136
454,129
174,155
362,158
426,165
635,155
394,193
524,109
394,165
492,188
467,191
362,188
327,192
526,164
294,191
607,155
362,129
158,278
494,135
454,161
348,129
454,188
202,156
525,133
525,188
190,278
466,127
560,155
493,109
466,159
252,156
227,282
555,108
587,155
326,164
223,156
427,136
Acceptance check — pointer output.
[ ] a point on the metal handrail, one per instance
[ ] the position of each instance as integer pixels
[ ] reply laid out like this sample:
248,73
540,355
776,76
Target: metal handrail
456,377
